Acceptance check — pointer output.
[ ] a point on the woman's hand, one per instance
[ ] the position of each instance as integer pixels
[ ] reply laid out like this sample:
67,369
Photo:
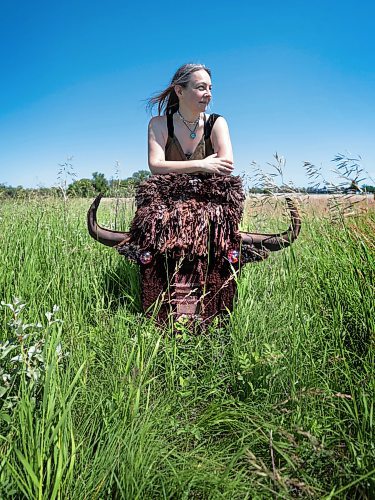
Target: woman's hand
215,165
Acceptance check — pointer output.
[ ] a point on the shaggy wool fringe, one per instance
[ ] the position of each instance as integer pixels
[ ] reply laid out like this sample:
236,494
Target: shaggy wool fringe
183,214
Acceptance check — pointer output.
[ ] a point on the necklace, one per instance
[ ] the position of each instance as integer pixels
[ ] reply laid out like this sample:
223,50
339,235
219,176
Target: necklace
193,135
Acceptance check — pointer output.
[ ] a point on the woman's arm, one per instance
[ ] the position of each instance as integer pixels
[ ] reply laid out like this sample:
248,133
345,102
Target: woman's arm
156,155
221,139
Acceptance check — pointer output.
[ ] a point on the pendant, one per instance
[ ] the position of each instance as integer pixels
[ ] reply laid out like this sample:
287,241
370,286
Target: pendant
193,135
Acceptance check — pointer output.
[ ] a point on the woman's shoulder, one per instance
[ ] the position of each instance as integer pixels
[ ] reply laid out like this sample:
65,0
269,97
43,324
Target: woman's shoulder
158,121
215,118
217,123
157,128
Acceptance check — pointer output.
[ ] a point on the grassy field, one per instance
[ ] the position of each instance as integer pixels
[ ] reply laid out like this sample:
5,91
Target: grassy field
97,402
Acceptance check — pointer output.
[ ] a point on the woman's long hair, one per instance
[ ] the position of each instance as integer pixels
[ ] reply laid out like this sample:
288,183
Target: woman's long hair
167,100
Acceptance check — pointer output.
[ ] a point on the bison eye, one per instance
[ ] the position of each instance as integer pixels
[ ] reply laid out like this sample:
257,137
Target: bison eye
233,256
145,257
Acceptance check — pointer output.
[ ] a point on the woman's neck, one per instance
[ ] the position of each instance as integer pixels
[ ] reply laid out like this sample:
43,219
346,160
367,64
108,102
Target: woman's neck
188,114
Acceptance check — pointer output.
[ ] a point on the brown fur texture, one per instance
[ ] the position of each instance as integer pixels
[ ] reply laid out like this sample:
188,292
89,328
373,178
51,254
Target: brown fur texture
212,287
188,215
188,223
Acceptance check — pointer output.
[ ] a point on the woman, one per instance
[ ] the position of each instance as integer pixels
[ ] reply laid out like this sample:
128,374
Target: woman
184,140
185,231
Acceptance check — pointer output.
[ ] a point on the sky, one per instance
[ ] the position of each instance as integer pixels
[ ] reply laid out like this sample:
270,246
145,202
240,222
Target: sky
295,78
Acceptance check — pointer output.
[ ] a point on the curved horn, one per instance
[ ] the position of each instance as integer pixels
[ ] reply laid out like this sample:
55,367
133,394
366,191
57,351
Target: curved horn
105,236
274,242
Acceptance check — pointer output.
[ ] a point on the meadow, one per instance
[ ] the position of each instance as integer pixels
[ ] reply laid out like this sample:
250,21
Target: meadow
98,402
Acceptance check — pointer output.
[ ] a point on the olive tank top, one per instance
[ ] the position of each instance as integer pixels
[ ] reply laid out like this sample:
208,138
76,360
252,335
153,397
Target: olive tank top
173,148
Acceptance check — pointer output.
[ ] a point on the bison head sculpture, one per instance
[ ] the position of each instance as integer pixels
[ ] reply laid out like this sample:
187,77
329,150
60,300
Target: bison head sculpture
186,240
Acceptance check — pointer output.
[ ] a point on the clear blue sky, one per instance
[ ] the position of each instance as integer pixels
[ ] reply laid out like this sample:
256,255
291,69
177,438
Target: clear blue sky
294,77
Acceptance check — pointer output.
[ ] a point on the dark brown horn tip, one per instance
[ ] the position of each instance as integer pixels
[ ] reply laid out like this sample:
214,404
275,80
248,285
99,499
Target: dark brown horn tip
274,242
105,236
96,202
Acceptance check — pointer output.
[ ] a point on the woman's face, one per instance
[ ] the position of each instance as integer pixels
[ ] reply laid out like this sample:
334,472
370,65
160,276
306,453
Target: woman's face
197,94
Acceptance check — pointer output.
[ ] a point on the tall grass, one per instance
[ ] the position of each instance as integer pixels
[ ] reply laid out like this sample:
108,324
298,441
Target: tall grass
277,401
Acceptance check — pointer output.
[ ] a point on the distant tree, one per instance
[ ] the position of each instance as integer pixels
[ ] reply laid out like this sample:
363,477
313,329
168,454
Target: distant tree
368,188
121,188
140,176
99,182
126,188
7,191
255,190
82,188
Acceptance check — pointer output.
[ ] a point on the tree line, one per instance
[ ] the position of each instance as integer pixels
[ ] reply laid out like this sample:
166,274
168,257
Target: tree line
81,188
125,188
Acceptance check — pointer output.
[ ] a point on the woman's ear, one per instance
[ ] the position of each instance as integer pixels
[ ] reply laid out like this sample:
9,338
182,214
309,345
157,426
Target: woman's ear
178,90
